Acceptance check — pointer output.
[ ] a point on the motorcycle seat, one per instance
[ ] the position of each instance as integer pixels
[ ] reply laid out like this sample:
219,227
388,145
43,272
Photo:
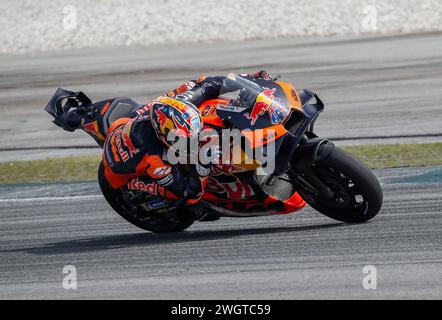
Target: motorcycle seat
119,108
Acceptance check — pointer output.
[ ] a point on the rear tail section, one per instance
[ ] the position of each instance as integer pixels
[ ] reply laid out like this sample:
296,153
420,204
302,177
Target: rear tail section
63,105
74,110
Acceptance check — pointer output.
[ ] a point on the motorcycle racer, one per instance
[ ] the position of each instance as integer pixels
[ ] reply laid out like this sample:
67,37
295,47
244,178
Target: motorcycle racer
153,181
134,148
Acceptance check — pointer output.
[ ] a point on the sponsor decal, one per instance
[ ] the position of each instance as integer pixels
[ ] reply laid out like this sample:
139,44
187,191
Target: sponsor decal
277,108
174,102
165,181
128,143
156,204
294,94
234,190
263,101
195,122
161,172
92,128
207,110
230,108
278,111
136,184
127,140
122,141
123,154
106,106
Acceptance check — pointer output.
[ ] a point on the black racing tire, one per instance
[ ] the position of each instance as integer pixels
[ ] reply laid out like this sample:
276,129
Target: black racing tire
358,193
175,220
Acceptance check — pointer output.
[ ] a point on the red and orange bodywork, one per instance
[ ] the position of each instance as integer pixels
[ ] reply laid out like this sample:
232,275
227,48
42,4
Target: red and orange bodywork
238,192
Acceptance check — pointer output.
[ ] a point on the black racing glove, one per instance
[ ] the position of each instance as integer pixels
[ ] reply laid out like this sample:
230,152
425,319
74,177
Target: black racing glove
188,186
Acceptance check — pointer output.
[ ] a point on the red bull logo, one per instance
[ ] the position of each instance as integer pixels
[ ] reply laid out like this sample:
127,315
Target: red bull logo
263,101
161,117
128,143
123,154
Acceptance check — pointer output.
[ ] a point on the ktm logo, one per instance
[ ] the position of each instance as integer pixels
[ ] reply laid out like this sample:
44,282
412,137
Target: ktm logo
294,95
106,106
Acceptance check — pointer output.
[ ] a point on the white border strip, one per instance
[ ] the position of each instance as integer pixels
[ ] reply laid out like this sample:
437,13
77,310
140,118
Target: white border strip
49,199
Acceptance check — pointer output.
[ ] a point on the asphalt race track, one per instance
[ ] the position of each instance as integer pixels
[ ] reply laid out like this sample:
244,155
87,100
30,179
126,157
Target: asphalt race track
304,255
376,89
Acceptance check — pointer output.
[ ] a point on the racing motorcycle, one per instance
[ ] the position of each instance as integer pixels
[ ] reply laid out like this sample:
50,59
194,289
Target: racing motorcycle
306,168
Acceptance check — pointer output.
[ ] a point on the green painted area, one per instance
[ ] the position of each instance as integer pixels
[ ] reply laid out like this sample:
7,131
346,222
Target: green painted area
431,176
399,155
75,169
70,169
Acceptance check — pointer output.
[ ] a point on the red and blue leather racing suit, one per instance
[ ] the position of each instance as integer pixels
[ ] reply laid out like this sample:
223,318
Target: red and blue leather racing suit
133,155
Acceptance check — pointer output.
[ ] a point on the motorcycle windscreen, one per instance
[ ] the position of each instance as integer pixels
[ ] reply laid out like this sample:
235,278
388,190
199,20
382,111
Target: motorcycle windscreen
255,103
257,110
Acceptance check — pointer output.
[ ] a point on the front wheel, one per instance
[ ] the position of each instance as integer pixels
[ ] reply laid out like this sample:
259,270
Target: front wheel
357,193
163,220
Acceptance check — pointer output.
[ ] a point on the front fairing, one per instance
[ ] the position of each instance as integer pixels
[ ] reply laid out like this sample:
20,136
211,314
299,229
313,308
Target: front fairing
257,103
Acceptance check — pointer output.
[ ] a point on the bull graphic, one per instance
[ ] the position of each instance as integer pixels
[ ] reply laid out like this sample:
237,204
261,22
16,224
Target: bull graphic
263,101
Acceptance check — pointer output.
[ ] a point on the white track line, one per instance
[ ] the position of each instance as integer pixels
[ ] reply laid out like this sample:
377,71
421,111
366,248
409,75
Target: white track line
49,199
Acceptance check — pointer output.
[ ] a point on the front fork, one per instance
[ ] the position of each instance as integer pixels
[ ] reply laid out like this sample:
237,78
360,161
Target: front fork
310,152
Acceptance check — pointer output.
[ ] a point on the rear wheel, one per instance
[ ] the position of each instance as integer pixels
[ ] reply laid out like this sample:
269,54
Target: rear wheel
159,221
357,193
